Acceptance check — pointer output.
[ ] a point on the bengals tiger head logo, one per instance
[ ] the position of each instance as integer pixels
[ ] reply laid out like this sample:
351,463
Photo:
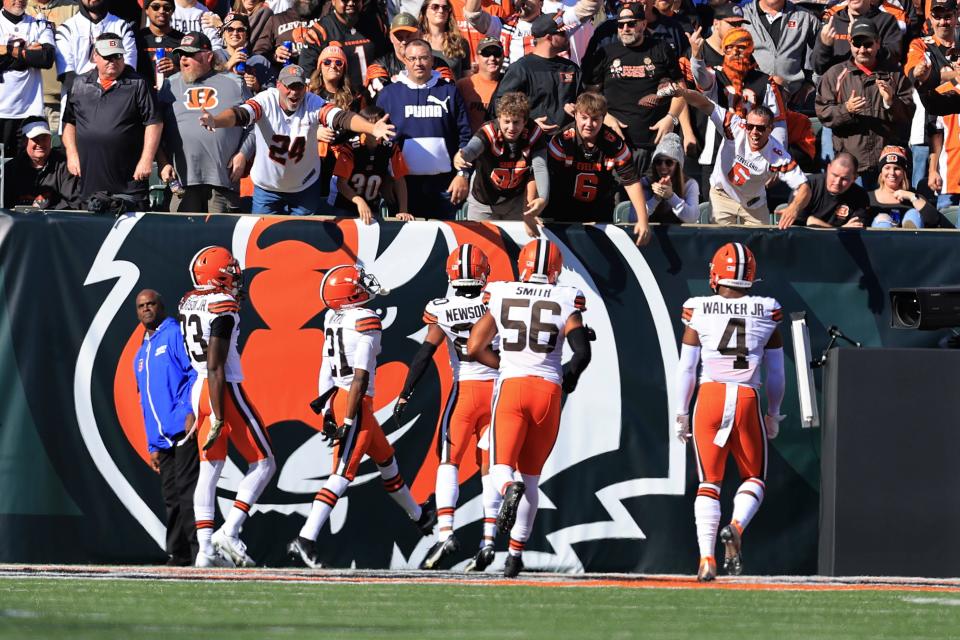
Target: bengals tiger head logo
197,98
281,348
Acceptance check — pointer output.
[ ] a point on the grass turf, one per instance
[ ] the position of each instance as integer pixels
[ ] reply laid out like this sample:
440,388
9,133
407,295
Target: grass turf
106,609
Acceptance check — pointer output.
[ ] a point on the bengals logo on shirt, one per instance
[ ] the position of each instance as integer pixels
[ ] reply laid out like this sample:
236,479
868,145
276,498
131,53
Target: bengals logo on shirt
201,98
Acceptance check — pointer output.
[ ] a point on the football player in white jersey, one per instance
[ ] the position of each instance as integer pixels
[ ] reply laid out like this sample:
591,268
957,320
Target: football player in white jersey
467,411
347,373
732,333
287,163
533,317
210,319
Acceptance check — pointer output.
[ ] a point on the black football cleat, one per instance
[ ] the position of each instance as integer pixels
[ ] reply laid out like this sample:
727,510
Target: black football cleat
439,552
507,515
513,566
428,517
482,560
304,551
732,560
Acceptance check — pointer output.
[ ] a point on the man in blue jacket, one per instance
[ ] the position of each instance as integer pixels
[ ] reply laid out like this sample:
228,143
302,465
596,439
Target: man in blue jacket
164,379
432,125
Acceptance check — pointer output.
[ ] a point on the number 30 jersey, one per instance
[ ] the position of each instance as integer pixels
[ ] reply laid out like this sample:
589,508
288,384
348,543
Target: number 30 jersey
531,320
456,316
733,333
351,340
203,314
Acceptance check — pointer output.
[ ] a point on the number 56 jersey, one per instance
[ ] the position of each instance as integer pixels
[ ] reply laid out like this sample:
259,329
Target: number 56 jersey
351,340
206,314
455,317
733,333
531,320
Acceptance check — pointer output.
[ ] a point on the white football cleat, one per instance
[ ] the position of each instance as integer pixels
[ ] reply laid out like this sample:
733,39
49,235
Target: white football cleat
232,548
216,560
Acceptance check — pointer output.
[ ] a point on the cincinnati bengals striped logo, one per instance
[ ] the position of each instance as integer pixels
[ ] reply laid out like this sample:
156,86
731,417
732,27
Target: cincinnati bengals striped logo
196,98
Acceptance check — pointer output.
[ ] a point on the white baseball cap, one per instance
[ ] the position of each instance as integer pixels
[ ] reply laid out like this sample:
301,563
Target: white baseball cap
36,128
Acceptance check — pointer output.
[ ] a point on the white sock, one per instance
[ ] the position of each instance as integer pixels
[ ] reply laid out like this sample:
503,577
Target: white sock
526,512
502,475
447,492
204,503
491,505
251,486
747,501
398,490
323,504
706,511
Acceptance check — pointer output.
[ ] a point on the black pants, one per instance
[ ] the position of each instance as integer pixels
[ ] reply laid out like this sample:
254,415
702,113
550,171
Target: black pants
427,196
10,136
179,468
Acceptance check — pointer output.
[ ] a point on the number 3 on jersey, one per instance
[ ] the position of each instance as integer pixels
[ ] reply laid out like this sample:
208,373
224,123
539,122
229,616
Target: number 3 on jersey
336,352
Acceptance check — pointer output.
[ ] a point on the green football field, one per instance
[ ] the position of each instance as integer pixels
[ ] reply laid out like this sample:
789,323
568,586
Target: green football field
148,608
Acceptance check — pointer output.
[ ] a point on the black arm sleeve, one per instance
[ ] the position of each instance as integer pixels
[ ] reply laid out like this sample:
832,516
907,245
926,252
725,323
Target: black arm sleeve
417,368
41,58
222,327
579,341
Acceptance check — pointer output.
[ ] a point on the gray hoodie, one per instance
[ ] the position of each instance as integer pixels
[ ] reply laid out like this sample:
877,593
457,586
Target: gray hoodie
789,57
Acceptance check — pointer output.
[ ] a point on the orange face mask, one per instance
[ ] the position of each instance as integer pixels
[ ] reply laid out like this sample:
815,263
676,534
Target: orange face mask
737,56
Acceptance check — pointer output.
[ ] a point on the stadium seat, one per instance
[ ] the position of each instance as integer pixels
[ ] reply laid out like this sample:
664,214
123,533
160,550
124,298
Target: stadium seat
775,216
951,214
706,212
461,213
623,213
157,189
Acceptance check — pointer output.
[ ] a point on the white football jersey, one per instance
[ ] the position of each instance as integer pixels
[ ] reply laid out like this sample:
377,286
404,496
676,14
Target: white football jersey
733,334
287,160
22,93
351,339
456,316
743,173
198,310
531,320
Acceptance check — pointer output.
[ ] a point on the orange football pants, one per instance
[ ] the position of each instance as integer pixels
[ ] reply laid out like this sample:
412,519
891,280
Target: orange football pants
464,418
747,441
526,420
365,437
241,424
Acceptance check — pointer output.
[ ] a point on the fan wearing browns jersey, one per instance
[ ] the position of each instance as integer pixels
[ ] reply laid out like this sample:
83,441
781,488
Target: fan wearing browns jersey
351,344
587,161
509,158
534,317
732,333
466,416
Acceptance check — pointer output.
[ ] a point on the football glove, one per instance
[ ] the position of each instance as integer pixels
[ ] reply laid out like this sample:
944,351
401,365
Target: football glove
772,425
399,408
683,428
216,426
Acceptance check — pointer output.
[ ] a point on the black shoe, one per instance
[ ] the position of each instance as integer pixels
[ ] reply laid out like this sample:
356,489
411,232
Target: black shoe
507,515
732,560
305,551
175,561
439,552
482,560
513,566
428,517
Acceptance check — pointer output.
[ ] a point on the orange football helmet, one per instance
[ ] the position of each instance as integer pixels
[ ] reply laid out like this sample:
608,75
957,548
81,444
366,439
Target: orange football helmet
347,286
215,268
468,266
733,265
540,261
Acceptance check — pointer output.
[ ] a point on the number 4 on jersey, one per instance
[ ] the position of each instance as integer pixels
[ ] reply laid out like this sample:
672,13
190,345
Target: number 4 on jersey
735,345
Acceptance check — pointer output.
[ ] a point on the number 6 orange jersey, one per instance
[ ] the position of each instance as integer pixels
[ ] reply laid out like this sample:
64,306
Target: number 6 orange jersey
733,333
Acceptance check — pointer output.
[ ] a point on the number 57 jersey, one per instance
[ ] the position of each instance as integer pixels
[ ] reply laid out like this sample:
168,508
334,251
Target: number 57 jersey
531,320
733,334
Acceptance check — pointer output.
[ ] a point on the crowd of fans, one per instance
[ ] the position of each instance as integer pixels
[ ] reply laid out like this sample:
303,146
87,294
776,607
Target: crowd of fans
667,111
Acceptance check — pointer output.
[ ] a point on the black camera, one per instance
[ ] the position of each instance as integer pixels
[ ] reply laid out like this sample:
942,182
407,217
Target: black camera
925,308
